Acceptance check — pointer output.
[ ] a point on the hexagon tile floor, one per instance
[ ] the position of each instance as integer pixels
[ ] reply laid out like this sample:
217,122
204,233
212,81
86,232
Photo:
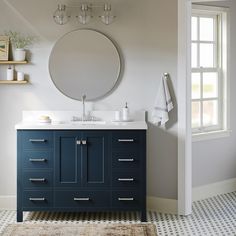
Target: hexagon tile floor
215,216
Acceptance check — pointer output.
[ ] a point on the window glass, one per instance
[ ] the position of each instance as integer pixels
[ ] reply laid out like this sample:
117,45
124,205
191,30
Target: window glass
210,113
196,85
194,55
206,29
196,115
194,28
206,55
210,85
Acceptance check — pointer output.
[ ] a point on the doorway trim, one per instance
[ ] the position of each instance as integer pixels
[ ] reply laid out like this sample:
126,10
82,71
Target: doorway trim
184,106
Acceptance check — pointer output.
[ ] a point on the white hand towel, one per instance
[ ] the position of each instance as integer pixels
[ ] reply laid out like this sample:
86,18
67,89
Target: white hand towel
163,104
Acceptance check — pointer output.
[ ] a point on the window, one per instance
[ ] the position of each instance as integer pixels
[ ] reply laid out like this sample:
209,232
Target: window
209,69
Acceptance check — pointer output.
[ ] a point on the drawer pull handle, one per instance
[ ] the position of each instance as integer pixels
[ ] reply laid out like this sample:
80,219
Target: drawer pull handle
37,179
126,140
84,142
126,199
39,199
37,159
37,140
126,160
81,198
78,142
126,179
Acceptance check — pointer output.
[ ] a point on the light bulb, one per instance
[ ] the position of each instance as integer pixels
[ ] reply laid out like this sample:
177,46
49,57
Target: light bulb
85,16
61,16
107,18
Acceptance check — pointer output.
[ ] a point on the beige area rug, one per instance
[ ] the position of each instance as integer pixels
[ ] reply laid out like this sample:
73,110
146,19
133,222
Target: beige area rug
22,229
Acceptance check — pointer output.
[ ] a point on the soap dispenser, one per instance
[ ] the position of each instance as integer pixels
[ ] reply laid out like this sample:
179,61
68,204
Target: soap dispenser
125,112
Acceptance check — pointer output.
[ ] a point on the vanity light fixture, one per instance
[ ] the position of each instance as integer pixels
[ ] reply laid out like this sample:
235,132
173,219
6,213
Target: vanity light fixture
61,15
83,13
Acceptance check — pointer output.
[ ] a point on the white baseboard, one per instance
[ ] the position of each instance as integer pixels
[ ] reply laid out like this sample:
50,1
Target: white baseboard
210,190
8,202
163,205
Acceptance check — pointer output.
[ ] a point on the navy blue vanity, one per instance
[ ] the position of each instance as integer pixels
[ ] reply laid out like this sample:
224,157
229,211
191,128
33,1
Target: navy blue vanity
81,171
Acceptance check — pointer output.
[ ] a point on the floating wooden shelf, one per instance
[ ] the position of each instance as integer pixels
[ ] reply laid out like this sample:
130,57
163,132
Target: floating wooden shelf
13,82
13,62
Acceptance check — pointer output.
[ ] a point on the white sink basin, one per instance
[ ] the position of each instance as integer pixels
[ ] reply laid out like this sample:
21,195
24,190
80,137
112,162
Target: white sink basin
90,122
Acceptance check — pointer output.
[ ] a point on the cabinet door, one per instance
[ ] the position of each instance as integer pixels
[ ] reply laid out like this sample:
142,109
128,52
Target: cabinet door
67,159
95,159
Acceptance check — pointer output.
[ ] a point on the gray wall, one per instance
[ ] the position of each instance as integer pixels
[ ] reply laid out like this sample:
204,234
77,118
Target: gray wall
215,160
146,32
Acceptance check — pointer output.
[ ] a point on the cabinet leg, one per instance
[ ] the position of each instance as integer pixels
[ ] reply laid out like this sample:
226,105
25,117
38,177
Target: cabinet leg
143,216
19,216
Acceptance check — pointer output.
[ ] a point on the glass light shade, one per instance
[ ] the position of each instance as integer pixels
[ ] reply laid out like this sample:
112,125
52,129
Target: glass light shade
107,18
85,15
61,16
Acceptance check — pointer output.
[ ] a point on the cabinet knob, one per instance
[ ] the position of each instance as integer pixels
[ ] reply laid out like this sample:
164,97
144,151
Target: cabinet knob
78,142
84,142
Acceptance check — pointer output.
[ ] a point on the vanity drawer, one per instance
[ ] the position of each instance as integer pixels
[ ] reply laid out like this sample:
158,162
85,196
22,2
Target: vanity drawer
37,179
126,199
125,160
37,159
37,199
125,179
37,139
82,199
125,139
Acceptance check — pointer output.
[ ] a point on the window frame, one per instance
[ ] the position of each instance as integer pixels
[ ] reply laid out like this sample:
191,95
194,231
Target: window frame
221,67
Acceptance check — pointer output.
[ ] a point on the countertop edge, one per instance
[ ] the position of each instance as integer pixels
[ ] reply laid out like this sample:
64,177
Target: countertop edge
141,125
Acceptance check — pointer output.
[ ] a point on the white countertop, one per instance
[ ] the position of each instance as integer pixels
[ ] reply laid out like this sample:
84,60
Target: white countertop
62,120
134,125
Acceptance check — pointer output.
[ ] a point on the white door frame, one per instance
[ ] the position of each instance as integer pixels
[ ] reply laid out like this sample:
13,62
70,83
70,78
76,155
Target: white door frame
184,107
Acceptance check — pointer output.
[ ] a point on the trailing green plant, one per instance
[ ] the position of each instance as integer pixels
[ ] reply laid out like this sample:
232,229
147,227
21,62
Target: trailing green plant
19,40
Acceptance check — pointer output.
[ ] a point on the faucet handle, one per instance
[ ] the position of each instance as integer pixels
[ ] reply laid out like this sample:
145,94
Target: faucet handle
75,118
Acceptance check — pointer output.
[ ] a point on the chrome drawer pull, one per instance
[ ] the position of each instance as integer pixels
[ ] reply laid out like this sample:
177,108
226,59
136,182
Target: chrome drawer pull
37,199
37,159
127,180
84,142
126,199
125,140
37,140
37,179
126,160
78,142
81,198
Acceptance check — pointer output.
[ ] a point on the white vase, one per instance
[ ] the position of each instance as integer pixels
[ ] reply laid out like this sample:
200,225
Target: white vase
19,54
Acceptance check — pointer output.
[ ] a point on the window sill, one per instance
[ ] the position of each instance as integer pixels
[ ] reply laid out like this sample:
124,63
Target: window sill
210,135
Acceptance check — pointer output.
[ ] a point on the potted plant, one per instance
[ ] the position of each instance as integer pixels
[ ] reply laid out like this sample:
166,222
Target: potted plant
20,43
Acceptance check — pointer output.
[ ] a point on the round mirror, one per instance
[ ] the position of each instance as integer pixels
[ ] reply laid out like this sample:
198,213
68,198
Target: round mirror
84,62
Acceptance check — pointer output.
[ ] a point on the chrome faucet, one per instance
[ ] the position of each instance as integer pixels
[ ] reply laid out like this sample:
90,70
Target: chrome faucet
84,118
